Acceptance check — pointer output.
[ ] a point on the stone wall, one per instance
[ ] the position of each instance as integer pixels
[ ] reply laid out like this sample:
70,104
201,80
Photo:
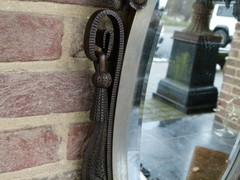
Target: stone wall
229,100
45,88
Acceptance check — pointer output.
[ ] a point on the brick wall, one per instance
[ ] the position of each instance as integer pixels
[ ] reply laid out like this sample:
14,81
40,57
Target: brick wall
45,88
229,100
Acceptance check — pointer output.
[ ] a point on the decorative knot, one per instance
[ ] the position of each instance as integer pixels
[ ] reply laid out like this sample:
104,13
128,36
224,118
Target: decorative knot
102,79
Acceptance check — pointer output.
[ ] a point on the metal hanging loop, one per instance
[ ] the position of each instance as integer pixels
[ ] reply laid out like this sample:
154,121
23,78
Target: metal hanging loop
107,59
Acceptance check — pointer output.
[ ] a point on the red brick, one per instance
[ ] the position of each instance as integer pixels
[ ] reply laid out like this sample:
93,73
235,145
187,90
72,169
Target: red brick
98,3
237,26
234,53
229,124
237,35
225,96
69,175
28,148
221,103
78,138
229,71
237,82
238,74
223,113
235,44
233,62
229,80
27,37
236,91
39,93
226,87
237,101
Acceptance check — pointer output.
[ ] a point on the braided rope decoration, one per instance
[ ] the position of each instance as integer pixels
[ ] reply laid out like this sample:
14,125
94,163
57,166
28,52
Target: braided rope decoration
97,162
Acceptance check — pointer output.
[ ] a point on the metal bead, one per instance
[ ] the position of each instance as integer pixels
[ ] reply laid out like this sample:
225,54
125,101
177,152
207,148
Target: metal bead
138,4
102,79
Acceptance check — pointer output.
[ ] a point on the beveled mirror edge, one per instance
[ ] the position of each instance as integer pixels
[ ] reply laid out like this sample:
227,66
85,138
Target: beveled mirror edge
125,96
126,90
233,170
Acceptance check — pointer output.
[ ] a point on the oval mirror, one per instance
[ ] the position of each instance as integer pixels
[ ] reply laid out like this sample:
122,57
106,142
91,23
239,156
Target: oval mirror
173,95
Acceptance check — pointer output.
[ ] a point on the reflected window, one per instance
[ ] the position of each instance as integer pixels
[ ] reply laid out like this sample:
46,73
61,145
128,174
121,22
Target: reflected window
223,11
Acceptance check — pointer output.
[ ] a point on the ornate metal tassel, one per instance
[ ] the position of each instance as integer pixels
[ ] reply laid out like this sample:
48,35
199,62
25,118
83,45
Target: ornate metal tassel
97,162
96,150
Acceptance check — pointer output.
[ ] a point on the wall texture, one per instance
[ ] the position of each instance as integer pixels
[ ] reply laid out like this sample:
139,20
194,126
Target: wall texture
45,88
229,100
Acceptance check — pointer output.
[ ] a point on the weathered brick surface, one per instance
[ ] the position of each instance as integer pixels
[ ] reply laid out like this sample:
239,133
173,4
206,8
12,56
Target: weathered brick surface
226,87
27,148
236,91
71,175
229,123
223,113
228,101
238,26
235,44
221,103
234,63
237,102
28,37
28,94
78,27
97,3
78,138
234,53
229,71
238,73
228,80
237,35
225,96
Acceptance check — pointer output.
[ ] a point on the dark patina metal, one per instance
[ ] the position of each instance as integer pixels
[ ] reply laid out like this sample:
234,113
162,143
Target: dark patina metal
138,4
188,85
200,18
105,48
118,4
236,8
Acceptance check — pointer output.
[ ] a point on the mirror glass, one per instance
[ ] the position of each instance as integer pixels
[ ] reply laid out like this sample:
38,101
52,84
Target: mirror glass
190,122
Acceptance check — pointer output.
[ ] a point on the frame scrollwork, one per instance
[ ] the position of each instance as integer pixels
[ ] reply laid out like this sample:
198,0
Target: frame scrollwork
104,48
136,4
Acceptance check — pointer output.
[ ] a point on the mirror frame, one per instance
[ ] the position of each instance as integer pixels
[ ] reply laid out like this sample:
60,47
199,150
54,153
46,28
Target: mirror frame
128,82
124,105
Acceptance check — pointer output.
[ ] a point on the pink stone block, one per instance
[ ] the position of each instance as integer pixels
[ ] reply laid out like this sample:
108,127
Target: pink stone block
40,93
28,37
78,138
28,148
78,27
98,3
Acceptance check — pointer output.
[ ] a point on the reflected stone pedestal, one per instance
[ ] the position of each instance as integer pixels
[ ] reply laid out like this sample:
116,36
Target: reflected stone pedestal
188,85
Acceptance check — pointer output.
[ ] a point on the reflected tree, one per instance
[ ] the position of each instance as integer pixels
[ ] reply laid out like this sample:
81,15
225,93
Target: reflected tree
183,9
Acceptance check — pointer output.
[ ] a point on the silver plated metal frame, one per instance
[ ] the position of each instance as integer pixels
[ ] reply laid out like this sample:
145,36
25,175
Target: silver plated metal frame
121,168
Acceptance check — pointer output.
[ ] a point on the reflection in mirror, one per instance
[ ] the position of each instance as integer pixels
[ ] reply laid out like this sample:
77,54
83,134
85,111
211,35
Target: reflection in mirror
190,98
147,55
